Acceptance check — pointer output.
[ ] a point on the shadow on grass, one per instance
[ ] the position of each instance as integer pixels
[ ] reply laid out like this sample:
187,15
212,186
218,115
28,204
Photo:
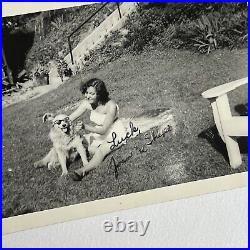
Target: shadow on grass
212,136
242,109
17,209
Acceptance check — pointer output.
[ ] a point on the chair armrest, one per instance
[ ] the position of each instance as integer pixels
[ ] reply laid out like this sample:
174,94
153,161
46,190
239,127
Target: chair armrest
224,88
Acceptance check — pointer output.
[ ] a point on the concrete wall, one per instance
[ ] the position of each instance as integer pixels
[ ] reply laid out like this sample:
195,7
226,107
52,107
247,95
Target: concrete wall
111,23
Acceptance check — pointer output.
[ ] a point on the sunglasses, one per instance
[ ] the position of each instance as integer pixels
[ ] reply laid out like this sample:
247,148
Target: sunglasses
58,122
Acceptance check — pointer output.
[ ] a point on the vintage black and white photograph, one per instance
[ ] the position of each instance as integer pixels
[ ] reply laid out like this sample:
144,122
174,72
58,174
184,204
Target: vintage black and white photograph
108,99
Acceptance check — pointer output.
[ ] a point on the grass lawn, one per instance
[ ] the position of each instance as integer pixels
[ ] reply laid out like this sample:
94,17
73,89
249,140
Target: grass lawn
171,80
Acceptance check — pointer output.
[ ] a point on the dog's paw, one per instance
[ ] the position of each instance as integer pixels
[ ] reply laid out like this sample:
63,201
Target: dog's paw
38,164
64,174
52,165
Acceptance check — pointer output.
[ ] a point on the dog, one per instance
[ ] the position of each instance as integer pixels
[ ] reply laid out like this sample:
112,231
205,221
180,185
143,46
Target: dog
67,144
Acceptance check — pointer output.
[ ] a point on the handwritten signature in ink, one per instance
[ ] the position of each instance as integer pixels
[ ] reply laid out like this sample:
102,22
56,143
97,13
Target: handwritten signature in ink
116,164
150,137
153,135
118,141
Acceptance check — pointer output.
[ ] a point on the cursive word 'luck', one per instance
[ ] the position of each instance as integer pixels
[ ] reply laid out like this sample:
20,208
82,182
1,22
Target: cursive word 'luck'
118,141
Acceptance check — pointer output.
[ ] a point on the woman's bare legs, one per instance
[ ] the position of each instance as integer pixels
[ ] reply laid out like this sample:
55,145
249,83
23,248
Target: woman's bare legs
96,160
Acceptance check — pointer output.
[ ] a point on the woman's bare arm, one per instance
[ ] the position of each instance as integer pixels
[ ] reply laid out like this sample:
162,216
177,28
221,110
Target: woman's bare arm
79,111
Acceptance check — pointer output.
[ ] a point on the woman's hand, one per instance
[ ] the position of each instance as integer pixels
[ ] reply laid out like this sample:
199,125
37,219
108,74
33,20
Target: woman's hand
79,125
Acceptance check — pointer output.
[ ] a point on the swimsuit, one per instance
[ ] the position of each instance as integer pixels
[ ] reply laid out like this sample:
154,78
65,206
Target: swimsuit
95,140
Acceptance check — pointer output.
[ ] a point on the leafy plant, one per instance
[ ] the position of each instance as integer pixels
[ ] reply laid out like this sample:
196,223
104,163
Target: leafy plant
208,28
63,69
41,70
214,30
236,27
58,22
62,23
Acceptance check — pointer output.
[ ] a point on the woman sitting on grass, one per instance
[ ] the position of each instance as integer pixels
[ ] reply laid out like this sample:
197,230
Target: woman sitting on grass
104,114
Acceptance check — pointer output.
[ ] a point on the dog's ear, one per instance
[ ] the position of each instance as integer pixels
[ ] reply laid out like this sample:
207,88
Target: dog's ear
48,117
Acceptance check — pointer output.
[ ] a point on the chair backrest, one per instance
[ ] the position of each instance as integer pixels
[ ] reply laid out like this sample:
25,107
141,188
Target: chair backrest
224,88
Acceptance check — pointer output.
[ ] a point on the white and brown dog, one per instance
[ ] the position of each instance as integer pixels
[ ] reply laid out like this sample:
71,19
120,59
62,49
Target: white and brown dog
67,144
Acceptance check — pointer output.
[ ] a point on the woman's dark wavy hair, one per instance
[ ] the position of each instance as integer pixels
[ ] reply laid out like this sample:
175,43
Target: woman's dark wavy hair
101,90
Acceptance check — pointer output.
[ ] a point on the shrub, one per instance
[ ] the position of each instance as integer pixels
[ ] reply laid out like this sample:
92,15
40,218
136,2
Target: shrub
205,26
63,69
143,26
60,23
214,30
176,25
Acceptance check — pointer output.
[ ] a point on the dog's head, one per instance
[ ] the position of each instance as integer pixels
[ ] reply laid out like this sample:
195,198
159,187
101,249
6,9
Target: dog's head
60,121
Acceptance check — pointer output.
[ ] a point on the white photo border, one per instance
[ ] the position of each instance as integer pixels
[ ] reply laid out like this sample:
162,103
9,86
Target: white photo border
133,200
